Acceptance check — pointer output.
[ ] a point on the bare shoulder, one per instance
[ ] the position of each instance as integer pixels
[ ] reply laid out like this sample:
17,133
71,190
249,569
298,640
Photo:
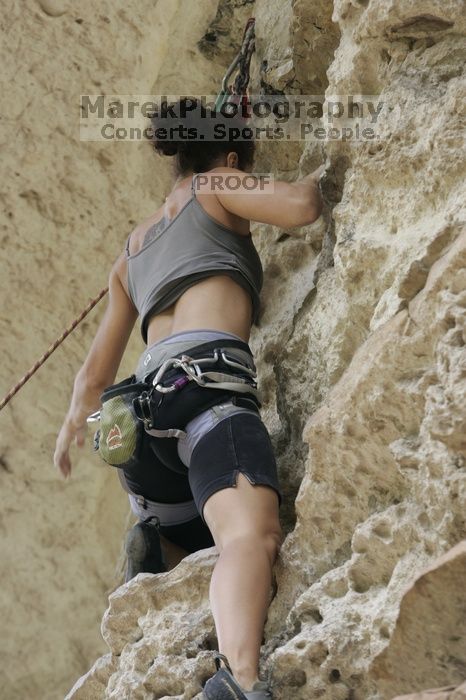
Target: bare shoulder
149,220
217,180
137,235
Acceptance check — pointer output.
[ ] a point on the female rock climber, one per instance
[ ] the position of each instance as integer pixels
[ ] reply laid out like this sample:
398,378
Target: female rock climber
192,274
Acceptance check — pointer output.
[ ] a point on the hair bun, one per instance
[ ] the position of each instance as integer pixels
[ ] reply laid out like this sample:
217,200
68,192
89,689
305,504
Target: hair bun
167,148
174,125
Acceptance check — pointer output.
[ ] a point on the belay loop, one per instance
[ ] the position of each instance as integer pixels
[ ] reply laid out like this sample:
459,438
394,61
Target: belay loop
237,93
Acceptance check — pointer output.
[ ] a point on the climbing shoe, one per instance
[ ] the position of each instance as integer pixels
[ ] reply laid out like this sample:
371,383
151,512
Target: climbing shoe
143,551
223,686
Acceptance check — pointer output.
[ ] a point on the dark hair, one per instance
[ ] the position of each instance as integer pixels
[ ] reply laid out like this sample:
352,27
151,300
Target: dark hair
191,154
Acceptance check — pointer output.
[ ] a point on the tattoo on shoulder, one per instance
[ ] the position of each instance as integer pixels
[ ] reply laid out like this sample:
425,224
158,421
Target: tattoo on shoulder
153,231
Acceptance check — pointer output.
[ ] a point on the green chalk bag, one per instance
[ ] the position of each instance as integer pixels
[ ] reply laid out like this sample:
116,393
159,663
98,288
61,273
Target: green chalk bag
120,436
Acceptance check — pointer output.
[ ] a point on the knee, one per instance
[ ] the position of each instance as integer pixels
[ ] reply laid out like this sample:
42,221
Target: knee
272,543
268,541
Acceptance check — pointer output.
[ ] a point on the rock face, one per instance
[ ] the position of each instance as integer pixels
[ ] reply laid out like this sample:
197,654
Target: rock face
445,693
360,351
428,643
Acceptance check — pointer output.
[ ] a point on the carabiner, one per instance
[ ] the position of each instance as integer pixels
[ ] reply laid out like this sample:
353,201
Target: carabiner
146,413
242,367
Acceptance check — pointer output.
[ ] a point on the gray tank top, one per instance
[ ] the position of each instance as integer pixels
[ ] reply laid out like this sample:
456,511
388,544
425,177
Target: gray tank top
189,248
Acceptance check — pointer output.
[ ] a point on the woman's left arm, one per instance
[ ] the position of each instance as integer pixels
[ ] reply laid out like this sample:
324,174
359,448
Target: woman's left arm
100,366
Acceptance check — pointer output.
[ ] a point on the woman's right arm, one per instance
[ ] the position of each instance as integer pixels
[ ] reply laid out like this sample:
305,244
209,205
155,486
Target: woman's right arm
100,366
290,204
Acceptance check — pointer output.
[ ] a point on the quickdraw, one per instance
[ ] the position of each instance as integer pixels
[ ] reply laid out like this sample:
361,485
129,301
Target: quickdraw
194,373
237,93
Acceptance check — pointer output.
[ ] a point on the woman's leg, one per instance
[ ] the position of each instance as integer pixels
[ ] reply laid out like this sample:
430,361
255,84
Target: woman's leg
245,525
153,480
172,554
178,541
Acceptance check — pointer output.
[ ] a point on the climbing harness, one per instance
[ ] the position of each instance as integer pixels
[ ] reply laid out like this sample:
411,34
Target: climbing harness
234,94
14,390
171,395
237,93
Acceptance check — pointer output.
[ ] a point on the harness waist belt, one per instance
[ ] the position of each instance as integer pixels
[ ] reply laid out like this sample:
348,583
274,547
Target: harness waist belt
152,361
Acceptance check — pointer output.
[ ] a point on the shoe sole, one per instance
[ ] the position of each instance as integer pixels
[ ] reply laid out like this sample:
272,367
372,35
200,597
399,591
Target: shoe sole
220,687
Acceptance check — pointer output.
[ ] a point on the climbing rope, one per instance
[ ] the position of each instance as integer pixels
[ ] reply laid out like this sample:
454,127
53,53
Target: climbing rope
241,63
14,390
235,93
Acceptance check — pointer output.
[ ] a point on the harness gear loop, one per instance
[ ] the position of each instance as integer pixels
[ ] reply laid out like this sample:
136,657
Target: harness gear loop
232,363
219,380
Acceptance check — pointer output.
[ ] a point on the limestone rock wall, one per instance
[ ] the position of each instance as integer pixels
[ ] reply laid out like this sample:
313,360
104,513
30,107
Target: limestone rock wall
360,349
